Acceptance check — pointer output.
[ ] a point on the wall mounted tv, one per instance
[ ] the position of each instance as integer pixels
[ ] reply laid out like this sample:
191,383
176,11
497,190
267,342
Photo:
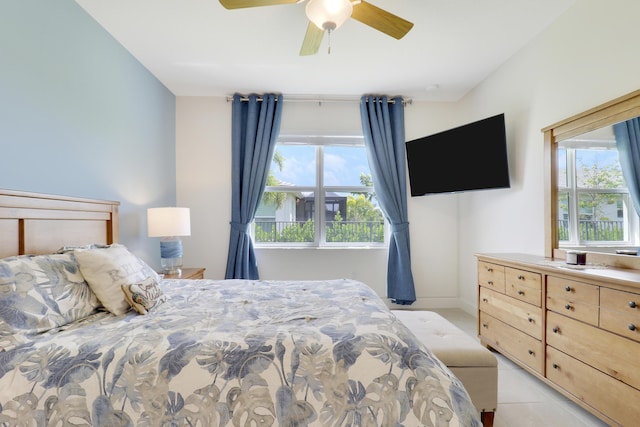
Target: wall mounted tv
465,158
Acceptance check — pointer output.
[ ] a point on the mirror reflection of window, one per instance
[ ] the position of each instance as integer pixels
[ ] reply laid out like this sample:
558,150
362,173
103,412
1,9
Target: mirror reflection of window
594,206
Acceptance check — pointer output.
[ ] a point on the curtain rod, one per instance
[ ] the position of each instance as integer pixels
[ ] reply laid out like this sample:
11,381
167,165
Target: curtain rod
320,101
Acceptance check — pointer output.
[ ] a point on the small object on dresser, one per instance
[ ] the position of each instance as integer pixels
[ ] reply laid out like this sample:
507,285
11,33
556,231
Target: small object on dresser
576,257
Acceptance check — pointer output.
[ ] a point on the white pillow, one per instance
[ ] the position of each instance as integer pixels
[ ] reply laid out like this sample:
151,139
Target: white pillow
107,269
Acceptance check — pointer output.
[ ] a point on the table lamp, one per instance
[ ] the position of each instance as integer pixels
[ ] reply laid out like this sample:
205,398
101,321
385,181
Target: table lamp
169,224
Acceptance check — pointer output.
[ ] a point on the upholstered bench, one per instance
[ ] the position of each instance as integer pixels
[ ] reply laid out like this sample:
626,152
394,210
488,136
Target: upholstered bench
469,360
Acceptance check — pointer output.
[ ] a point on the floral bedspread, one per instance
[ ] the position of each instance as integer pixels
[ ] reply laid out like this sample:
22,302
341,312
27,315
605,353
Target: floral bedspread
235,353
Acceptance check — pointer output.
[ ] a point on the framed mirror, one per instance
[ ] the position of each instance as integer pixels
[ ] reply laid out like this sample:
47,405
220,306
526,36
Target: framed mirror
579,153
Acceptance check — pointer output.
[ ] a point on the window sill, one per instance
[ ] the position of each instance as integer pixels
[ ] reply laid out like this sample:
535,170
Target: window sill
322,248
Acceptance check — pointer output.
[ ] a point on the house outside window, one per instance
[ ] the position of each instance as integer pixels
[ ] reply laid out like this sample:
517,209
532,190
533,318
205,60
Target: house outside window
594,205
330,172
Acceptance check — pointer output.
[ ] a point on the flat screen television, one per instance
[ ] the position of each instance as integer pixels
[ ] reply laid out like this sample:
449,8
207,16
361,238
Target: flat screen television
465,158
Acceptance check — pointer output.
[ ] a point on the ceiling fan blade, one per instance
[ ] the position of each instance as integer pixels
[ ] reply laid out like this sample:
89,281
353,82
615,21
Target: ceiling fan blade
239,4
312,40
381,20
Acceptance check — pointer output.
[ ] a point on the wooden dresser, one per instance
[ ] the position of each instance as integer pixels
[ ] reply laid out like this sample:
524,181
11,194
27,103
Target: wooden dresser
575,328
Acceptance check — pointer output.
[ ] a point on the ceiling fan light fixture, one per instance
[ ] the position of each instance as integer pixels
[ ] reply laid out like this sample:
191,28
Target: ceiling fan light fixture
328,14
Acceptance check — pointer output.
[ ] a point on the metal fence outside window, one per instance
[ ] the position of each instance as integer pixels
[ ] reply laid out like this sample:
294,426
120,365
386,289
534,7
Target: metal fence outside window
594,230
303,231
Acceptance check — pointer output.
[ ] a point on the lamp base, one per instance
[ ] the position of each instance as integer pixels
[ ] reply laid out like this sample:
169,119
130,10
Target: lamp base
171,265
171,255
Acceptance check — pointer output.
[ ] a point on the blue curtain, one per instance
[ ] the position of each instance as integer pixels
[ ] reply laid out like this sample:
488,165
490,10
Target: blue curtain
628,142
255,128
383,129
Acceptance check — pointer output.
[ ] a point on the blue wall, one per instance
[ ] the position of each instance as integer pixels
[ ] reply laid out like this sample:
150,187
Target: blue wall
80,116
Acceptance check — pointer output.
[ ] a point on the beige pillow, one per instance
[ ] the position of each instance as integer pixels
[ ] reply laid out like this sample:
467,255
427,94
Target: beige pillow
144,296
107,269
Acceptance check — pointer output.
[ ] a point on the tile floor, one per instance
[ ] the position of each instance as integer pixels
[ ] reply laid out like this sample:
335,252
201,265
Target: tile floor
523,400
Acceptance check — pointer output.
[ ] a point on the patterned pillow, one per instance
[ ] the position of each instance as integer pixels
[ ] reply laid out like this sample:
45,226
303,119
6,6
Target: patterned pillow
107,269
144,296
38,293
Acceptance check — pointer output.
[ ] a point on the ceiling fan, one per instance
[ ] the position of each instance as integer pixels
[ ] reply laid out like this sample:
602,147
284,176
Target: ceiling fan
330,14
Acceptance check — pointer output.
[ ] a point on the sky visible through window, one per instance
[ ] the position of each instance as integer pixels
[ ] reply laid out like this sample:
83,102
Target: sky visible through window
587,157
599,157
342,165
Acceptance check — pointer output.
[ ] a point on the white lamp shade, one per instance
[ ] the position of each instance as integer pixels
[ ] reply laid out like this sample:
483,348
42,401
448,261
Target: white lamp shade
168,222
328,14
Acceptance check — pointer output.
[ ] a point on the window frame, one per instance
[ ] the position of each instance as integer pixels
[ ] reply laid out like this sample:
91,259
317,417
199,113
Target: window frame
319,190
572,191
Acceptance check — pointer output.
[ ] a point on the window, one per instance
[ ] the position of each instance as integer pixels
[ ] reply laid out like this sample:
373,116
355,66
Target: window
594,206
319,193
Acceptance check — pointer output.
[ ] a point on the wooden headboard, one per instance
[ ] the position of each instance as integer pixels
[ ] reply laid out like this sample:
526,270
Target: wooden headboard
33,223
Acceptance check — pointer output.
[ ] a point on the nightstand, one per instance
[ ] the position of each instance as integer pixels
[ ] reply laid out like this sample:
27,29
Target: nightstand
187,273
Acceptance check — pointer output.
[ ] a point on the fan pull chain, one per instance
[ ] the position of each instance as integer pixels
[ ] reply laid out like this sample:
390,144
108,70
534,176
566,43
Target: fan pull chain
329,47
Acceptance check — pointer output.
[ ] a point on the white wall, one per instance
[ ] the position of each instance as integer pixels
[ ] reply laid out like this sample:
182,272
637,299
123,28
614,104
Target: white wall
587,57
203,167
578,63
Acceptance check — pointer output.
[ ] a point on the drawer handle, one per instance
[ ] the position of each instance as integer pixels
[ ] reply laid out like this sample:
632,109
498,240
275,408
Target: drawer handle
530,319
485,300
632,327
490,282
490,270
485,325
520,292
568,289
556,329
632,304
568,306
555,366
520,277
531,352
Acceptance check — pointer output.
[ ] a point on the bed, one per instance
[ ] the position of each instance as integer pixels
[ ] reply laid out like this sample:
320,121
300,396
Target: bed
193,352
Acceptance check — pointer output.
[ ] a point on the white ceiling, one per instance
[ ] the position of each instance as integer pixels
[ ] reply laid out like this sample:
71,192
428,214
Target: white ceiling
198,48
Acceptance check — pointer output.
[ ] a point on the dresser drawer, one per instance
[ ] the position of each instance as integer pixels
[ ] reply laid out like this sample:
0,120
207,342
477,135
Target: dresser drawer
520,315
521,346
524,285
620,312
573,299
610,353
491,276
598,390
